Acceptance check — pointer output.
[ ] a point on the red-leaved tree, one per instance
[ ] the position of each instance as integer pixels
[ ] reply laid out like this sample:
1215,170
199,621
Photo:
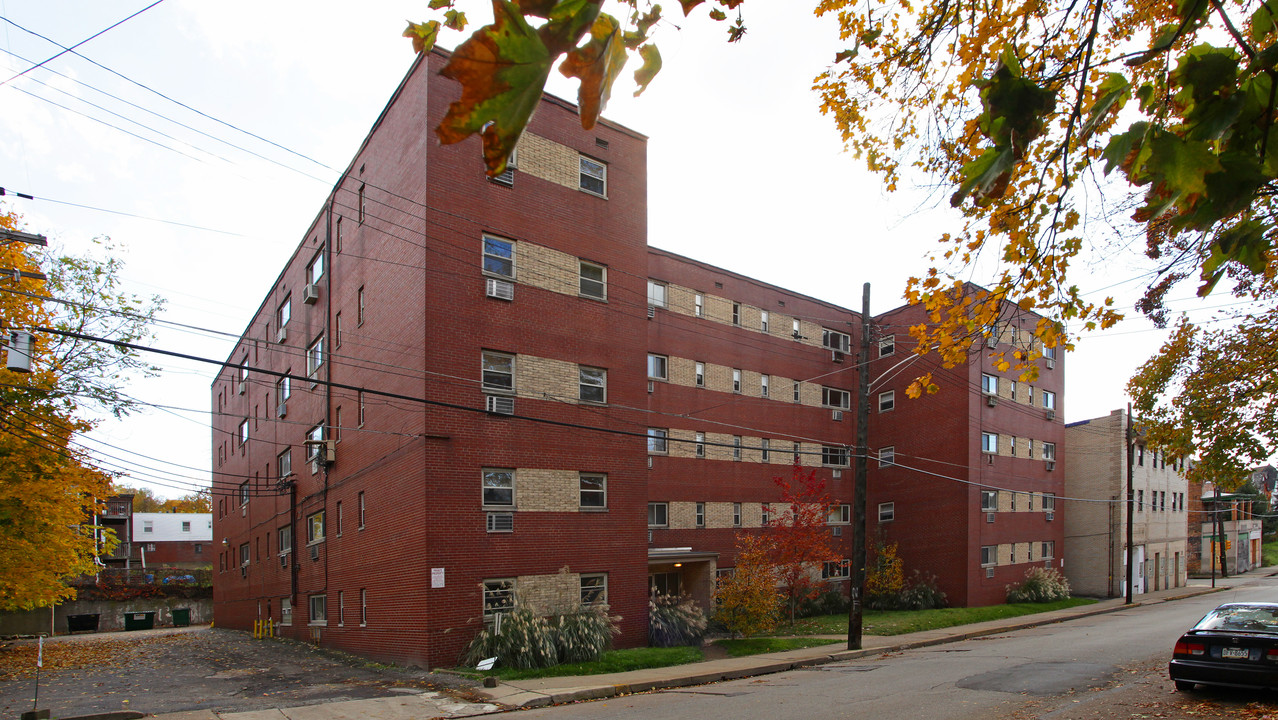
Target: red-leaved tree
800,540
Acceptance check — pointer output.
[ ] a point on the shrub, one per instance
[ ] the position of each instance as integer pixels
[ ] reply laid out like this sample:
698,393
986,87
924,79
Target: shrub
885,579
1040,585
583,633
674,620
527,639
830,602
922,593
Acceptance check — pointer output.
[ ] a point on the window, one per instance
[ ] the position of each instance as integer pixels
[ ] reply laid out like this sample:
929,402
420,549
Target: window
285,539
700,518
499,257
1049,400
887,456
499,597
360,508
339,518
798,451
765,450
1011,445
887,401
592,384
763,385
186,524
360,205
657,514
989,500
736,514
1049,353
887,512
594,589
887,345
341,608
657,440
736,380
835,570
337,235
765,517
701,374
736,313
242,433
796,329
1049,549
283,313
989,384
315,527
699,305
656,293
1049,451
363,607
989,442
315,356
1140,500
1049,502
244,555
593,280
1140,455
594,490
836,398
148,526
360,397
989,555
499,487
244,492
836,340
498,370
797,396
700,444
286,611
315,270
657,366
832,456
594,177
359,306
736,447
283,391
763,320
314,442
839,515
319,610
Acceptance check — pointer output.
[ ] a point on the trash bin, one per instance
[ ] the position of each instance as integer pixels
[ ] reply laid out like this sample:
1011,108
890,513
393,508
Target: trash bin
87,622
181,617
139,620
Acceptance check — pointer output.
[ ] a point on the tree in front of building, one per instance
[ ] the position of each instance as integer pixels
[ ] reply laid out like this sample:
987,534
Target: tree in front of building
746,600
799,536
49,487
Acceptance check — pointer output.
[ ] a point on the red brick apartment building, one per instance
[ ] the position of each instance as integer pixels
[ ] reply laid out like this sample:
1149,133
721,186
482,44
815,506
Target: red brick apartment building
443,403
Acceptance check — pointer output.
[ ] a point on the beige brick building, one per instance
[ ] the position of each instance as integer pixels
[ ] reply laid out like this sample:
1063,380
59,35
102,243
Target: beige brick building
1096,517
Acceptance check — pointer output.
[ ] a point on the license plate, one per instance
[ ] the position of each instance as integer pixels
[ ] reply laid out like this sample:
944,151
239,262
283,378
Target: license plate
1230,653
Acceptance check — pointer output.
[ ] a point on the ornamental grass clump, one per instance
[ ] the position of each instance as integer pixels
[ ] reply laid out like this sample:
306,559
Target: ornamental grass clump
674,621
526,638
583,633
1039,586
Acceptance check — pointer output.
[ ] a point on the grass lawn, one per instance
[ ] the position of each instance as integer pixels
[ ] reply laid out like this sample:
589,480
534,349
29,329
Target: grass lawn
1269,551
898,622
757,646
611,662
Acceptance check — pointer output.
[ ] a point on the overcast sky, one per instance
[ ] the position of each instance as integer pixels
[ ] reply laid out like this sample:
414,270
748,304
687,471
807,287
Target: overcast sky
279,96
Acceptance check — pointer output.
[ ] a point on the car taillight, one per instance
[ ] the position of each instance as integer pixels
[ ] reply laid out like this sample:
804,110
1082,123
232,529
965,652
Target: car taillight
1272,654
1187,648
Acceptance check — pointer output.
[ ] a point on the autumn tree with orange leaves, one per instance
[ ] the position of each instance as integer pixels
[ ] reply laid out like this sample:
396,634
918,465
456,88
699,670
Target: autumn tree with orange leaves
799,536
49,486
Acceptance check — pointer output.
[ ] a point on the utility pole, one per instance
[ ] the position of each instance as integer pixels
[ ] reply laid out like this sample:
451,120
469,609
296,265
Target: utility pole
859,485
1131,509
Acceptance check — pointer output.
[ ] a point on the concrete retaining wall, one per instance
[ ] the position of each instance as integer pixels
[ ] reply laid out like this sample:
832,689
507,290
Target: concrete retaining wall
110,614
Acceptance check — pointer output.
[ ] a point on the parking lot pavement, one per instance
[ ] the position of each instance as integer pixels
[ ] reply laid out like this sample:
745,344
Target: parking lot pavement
221,672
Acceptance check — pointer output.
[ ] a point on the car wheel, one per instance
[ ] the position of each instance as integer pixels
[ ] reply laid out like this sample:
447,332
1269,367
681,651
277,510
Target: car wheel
1184,685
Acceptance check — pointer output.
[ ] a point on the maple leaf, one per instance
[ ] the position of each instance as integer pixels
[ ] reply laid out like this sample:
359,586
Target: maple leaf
597,65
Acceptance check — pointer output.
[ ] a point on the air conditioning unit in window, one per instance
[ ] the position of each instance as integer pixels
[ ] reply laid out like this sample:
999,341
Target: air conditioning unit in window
1050,414
310,293
837,474
989,458
244,571
836,531
241,386
989,572
315,552
500,405
1051,465
501,522
281,335
652,312
1051,364
991,400
836,415
500,289
507,177
283,560
1047,563
652,386
989,517
1050,515
836,356
281,410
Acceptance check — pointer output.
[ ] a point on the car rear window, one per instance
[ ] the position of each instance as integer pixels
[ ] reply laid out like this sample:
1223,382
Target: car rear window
1241,617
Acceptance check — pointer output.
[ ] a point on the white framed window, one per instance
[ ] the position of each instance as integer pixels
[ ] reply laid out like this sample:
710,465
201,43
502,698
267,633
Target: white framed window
148,526
592,384
736,514
360,509
989,384
1011,445
283,391
887,345
699,519
796,329
657,366
285,539
360,205
833,456
286,611
1049,451
887,456
359,306
319,609
835,340
498,487
314,442
699,305
1049,400
763,320
315,356
315,271
499,596
245,555
887,401
657,440
763,385
363,607
989,555
341,608
594,490
244,492
700,444
736,380
658,514
594,589
736,447
337,235
989,500
315,527
736,313
765,517
1049,352
284,463
242,434
338,518
836,570
1048,549
499,257
765,450
701,374
497,371
593,281
656,293
840,514
887,512
1049,502
836,398
797,395
284,312
989,442
593,177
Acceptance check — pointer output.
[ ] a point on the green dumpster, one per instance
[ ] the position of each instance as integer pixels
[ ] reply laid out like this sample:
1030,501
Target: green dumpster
181,617
139,620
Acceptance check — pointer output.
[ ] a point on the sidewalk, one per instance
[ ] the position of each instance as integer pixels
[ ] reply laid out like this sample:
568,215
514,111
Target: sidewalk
516,694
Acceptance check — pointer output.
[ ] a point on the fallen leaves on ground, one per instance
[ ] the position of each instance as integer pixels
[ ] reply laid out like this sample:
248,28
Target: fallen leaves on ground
18,661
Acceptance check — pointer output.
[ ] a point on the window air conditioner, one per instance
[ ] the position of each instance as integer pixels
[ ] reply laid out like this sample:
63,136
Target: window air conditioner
507,176
281,335
836,356
1051,364
242,386
837,474
989,517
1050,515
501,522
991,400
1051,465
500,289
989,458
283,560
500,405
652,312
244,571
315,552
836,415
1050,414
281,410
836,531
989,572
1047,563
310,293
651,386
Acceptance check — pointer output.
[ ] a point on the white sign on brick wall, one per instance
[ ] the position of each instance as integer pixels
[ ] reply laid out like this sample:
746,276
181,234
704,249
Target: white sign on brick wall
437,577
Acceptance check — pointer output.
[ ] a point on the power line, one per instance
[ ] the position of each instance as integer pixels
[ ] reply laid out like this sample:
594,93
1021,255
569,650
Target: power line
66,50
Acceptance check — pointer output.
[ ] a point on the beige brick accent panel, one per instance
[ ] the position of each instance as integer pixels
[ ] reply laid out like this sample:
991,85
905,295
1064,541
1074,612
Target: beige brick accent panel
681,371
718,309
683,515
548,269
538,490
719,515
682,449
719,378
752,515
536,377
546,593
549,161
681,300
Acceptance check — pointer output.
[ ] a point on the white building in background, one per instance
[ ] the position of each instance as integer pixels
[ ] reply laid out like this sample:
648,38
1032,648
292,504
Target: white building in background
1096,516
182,540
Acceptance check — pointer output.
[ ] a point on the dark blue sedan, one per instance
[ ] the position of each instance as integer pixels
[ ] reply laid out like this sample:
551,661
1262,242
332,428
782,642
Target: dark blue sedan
1235,645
